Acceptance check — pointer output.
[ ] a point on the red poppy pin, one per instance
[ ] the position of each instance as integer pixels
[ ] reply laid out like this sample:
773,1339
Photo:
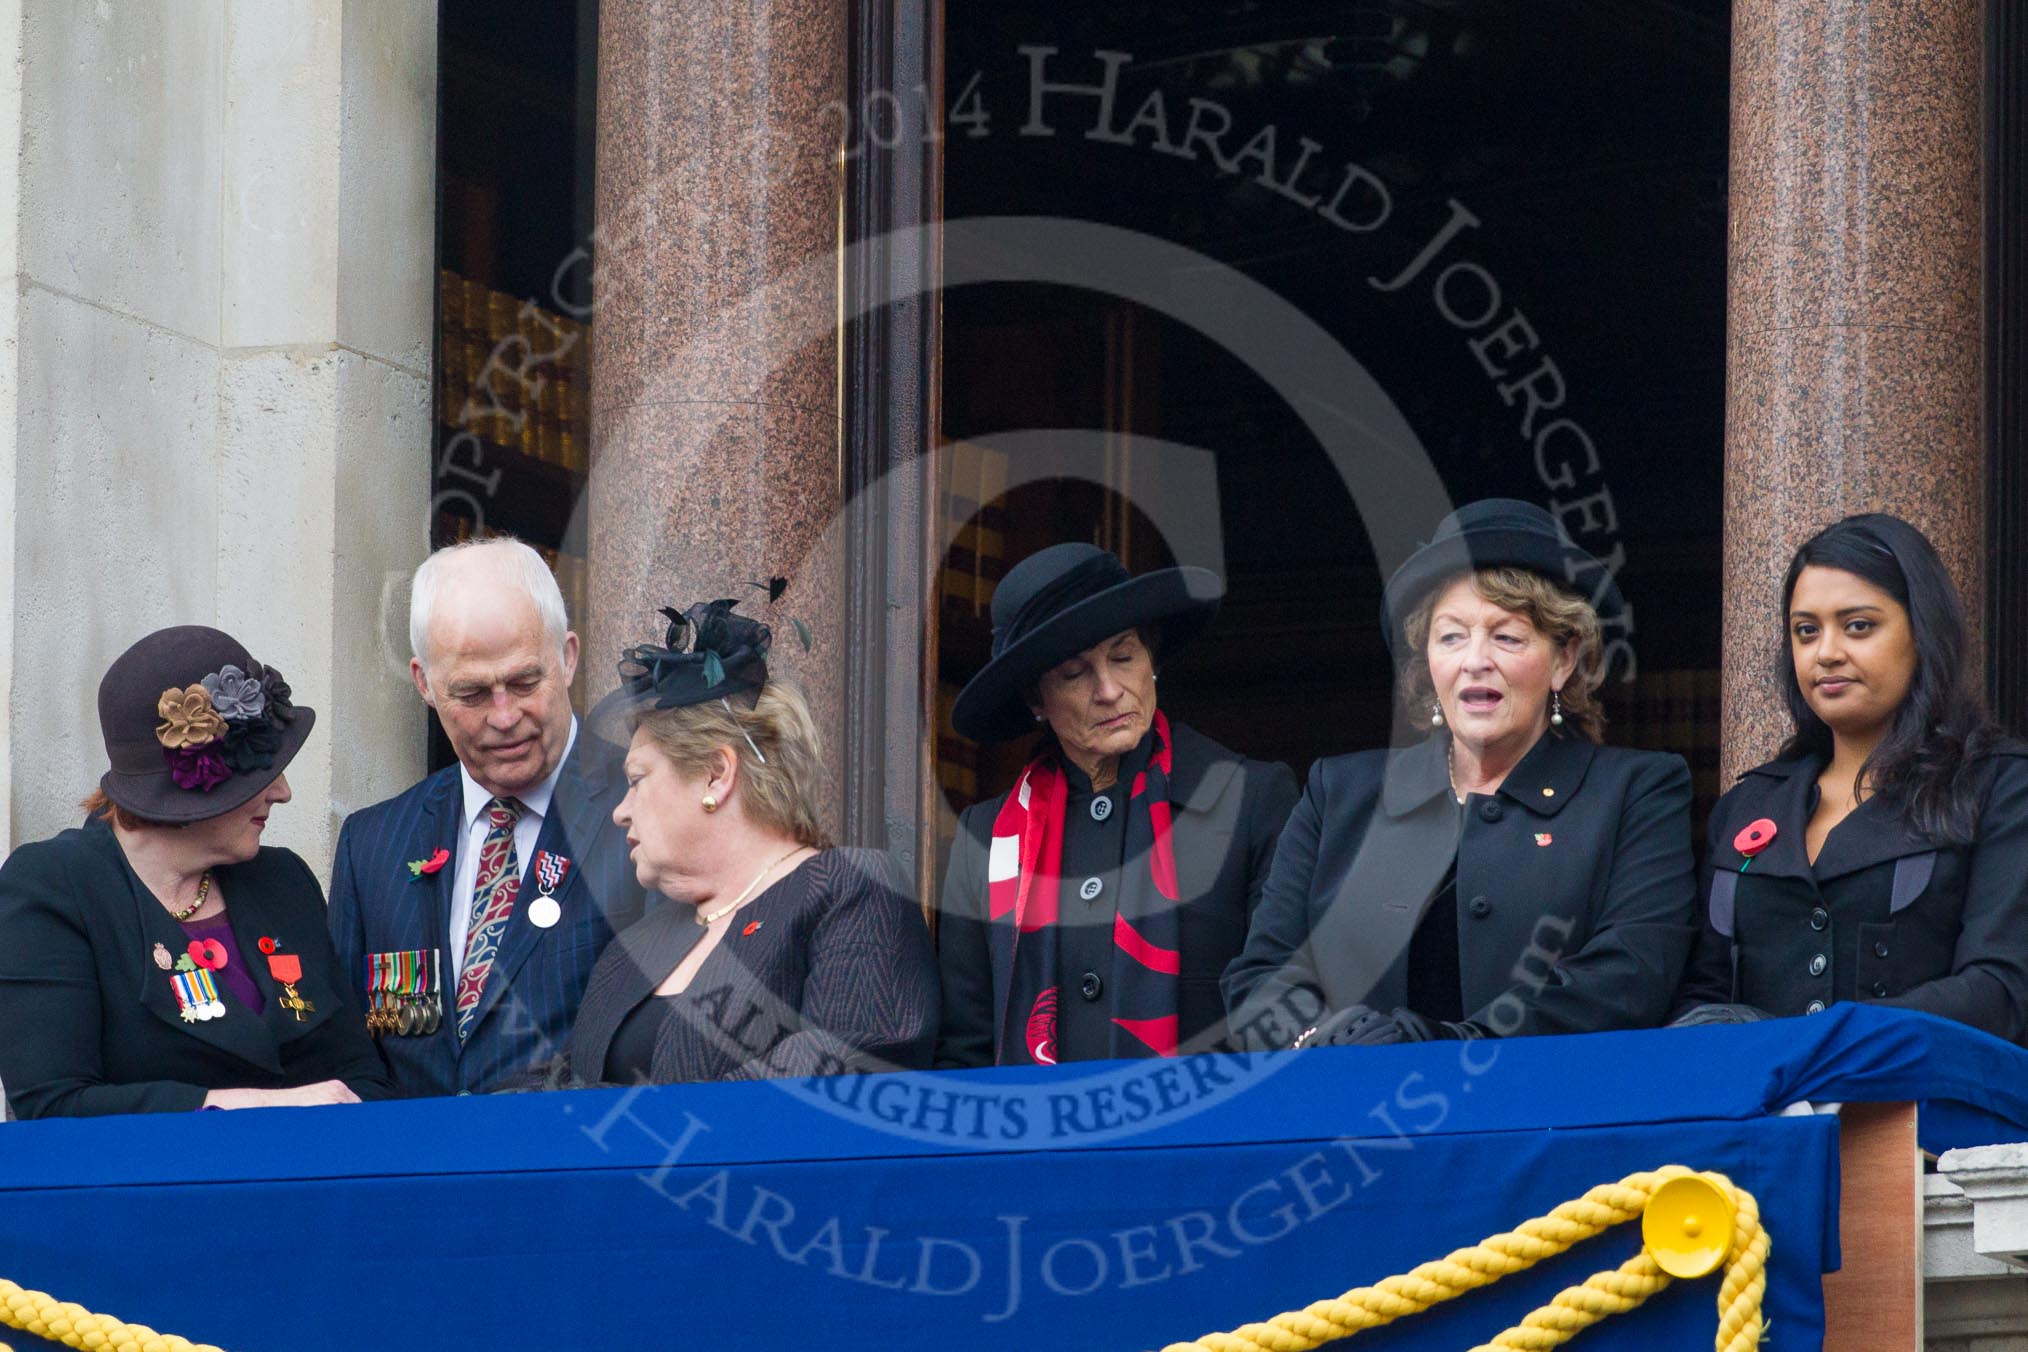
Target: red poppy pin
751,926
417,868
1543,838
268,945
208,954
1753,838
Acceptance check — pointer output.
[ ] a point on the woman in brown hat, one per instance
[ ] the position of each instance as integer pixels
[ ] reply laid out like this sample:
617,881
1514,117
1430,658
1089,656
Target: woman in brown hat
159,958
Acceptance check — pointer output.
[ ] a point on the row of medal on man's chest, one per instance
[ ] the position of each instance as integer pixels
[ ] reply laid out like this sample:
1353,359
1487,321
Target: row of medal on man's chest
404,993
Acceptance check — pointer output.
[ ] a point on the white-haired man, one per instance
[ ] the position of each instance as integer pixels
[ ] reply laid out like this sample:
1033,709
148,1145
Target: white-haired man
469,910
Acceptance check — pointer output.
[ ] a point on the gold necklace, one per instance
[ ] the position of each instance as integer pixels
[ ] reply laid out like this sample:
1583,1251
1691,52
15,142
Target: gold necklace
203,891
1451,769
733,905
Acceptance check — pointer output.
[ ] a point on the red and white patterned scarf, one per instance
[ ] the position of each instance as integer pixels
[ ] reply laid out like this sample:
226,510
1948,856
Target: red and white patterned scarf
1023,878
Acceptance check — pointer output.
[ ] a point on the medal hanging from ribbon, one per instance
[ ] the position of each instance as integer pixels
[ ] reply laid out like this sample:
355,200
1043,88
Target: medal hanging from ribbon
197,996
287,970
550,868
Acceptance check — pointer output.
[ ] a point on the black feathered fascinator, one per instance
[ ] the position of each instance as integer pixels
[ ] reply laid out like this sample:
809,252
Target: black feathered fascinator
707,653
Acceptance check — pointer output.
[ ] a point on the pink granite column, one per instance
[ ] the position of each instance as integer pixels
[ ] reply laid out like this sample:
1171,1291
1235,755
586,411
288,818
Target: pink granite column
714,430
1853,345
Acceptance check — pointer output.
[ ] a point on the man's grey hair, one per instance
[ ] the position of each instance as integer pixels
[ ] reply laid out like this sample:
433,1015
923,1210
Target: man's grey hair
515,564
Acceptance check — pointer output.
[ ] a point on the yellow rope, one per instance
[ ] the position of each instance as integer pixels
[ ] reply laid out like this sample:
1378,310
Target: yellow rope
45,1316
1573,1310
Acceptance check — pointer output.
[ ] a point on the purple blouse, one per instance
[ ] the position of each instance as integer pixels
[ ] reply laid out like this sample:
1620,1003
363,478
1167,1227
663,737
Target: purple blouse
235,978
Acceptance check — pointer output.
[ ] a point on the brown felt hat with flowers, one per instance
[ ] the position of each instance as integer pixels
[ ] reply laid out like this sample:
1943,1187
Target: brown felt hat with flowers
194,727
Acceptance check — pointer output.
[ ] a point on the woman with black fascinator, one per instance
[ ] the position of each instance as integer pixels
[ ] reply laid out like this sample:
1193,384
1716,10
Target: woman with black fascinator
785,955
1883,855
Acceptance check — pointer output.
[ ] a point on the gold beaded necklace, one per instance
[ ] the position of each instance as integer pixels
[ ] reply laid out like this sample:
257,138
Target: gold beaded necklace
203,891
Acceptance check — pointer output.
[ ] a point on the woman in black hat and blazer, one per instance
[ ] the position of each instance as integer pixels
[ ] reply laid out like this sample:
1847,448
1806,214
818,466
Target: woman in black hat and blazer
1088,912
160,958
1507,874
1883,855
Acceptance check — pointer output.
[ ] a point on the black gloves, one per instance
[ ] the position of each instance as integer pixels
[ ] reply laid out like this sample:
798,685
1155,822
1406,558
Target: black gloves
1699,1015
1358,1026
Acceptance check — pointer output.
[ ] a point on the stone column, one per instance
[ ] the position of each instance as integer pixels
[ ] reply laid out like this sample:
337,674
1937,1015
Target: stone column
214,370
715,424
1853,315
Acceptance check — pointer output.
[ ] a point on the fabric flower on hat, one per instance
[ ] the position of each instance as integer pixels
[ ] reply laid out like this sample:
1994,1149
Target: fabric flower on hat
276,692
188,720
251,744
234,694
198,767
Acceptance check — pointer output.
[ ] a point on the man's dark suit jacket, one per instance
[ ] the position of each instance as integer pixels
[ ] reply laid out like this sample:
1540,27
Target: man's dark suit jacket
89,1024
539,974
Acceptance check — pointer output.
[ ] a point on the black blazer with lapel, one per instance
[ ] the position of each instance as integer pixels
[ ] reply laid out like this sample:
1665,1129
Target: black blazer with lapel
1227,812
1896,920
91,1023
539,974
829,970
1575,891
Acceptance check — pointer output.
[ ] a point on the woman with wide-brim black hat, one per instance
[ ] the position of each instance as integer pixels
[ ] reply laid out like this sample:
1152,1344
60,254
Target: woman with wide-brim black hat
160,958
1505,875
1088,912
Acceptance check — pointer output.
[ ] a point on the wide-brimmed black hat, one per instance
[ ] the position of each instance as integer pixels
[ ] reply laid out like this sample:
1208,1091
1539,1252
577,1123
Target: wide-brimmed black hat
193,726
1061,600
1497,533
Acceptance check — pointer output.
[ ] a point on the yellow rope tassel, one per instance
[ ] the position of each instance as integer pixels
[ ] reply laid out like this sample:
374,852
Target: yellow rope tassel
1573,1310
43,1315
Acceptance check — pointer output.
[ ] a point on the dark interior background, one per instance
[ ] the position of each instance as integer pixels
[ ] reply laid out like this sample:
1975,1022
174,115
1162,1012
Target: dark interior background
1590,140
516,95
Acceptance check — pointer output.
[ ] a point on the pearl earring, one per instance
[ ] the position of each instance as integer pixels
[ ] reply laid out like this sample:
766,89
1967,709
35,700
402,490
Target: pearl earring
1556,708
709,802
1436,715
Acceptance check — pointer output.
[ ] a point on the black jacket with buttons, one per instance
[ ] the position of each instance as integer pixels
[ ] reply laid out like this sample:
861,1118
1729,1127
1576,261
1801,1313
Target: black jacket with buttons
1227,812
1883,915
1575,891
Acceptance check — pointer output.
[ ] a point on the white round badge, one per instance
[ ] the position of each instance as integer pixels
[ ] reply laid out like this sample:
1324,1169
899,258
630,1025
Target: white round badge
544,912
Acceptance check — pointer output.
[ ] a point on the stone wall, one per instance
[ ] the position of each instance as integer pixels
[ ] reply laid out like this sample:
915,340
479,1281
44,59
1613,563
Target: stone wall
214,369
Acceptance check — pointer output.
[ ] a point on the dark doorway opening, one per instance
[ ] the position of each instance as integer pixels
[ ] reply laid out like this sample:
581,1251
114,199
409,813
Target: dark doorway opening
1318,149
516,95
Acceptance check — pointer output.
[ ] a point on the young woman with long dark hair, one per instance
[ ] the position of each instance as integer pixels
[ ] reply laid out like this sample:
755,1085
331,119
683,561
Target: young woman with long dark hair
1883,855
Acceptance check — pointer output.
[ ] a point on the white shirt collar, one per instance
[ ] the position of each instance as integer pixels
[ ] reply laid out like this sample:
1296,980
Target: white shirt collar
534,801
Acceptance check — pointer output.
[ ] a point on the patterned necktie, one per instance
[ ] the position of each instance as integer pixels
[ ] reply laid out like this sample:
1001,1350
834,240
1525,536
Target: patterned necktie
493,892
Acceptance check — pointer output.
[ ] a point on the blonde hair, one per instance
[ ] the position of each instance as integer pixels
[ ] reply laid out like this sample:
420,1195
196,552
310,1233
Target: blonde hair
780,794
1565,620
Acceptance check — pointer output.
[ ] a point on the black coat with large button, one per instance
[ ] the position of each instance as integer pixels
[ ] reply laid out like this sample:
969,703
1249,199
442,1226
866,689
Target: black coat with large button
1227,813
1882,916
1575,891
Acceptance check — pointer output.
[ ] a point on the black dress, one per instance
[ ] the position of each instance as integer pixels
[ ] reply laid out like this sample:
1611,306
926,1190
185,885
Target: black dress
1883,915
90,1016
828,970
